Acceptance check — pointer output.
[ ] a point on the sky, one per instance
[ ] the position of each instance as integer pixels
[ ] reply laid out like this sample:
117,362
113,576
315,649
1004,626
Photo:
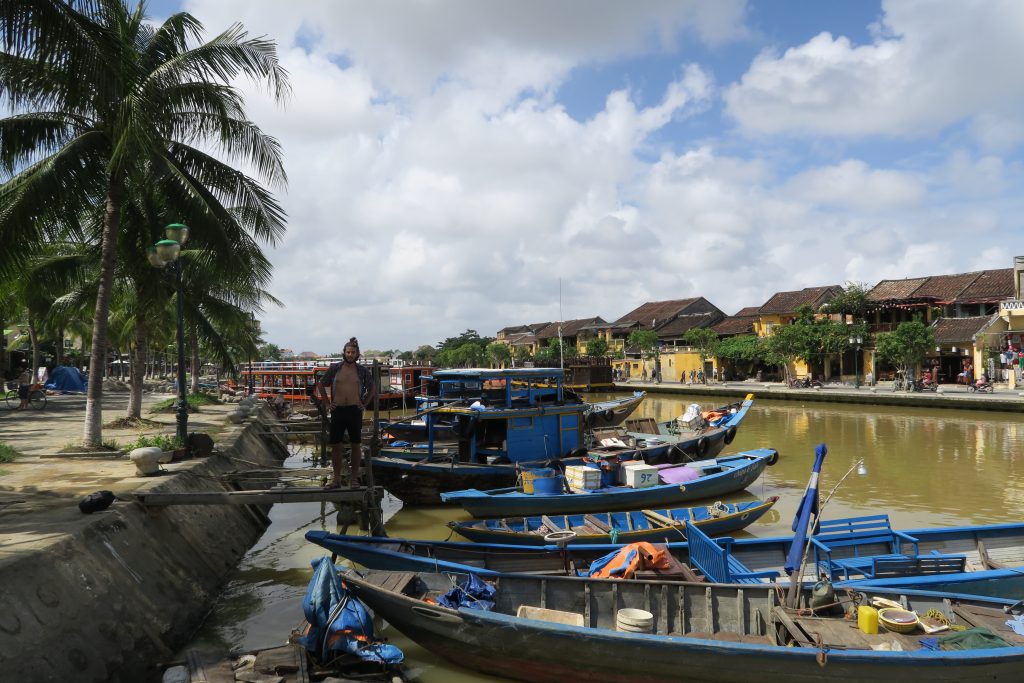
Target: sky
456,164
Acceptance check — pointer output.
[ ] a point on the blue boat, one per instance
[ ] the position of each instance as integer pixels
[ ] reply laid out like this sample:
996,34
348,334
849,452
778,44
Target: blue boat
556,629
521,415
705,479
981,560
653,526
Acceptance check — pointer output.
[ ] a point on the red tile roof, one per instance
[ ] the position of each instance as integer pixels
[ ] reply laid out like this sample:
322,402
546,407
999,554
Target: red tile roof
735,325
788,302
889,290
653,311
980,286
959,330
989,287
749,310
680,325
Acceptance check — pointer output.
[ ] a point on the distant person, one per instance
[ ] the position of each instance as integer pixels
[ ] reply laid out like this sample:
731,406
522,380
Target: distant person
643,375
24,386
348,388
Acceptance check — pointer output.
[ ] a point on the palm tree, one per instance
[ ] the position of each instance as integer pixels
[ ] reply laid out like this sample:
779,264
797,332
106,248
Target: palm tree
103,102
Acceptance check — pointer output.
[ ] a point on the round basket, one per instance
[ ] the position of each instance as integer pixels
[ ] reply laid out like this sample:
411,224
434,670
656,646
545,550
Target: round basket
898,620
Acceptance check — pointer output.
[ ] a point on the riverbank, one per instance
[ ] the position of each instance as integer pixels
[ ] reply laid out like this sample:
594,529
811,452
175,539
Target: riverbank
948,396
101,597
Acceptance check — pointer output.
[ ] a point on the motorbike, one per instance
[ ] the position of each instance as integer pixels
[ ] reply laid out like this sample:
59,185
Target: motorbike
921,385
981,386
805,383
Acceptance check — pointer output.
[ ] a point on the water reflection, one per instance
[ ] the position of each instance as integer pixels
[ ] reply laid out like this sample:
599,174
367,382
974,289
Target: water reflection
924,468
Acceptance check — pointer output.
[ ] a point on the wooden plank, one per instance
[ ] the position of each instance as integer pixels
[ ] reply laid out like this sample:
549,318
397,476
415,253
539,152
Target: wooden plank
798,636
659,519
204,668
986,560
550,524
594,521
258,497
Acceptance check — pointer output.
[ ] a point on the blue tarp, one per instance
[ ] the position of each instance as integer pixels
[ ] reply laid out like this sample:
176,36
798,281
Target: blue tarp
472,593
338,622
64,378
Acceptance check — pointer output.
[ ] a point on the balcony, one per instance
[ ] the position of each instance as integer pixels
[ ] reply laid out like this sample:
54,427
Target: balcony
875,328
1011,305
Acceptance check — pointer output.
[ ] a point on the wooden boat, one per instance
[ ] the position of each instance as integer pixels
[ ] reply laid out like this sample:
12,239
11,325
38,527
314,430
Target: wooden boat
629,527
614,412
711,479
284,664
992,558
560,629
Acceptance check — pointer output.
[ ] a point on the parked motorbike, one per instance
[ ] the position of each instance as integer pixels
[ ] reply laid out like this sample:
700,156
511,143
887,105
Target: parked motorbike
921,385
805,383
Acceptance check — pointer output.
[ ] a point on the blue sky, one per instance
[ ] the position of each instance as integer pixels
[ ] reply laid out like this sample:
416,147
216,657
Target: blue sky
450,161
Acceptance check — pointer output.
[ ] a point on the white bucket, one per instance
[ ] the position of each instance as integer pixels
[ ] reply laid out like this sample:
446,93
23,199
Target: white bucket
634,621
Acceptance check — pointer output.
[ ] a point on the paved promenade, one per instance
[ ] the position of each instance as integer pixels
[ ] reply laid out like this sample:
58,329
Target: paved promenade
948,396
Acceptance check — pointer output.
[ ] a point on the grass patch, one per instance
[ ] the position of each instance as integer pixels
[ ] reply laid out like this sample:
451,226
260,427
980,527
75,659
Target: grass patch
194,403
132,423
165,442
106,446
7,453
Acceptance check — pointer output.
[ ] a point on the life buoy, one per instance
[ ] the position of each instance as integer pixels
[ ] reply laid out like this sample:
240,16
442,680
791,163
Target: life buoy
730,434
702,447
773,458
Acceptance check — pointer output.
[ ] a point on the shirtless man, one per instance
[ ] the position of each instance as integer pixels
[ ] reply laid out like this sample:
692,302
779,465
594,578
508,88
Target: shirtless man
351,390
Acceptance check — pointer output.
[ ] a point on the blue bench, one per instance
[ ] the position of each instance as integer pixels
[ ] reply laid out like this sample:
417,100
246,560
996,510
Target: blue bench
715,560
854,536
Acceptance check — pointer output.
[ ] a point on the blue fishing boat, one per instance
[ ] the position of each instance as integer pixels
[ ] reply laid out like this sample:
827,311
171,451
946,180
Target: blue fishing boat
981,560
655,526
557,629
521,415
692,481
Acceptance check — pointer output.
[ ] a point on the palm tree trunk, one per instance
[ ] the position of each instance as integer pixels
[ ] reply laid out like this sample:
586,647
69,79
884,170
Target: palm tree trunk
34,338
138,369
195,361
92,434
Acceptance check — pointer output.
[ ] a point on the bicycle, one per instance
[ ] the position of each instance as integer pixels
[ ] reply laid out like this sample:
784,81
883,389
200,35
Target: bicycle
900,383
36,398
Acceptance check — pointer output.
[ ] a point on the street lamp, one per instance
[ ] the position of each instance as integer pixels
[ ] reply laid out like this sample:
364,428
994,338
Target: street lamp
164,253
856,341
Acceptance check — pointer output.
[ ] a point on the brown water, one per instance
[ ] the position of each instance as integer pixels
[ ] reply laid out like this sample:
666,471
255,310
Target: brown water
924,468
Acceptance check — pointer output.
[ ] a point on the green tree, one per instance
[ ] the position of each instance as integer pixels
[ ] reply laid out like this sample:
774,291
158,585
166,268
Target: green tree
424,353
597,347
851,301
270,352
469,355
522,354
742,351
104,102
906,346
704,339
646,341
499,354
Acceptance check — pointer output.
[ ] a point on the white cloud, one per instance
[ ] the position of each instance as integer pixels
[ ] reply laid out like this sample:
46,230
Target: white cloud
930,65
852,184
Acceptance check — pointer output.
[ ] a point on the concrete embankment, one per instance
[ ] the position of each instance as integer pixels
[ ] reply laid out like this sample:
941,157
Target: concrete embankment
882,395
101,597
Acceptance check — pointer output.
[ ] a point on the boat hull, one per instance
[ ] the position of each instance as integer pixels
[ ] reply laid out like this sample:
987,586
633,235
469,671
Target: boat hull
534,650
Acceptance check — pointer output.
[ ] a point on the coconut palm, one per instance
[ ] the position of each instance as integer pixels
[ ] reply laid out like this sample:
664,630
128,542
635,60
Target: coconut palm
102,102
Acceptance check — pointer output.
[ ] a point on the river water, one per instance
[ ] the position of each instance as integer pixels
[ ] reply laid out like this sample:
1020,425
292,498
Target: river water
925,468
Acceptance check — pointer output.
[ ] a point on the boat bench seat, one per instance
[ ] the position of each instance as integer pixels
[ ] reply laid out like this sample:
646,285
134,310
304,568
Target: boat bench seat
714,558
917,565
860,536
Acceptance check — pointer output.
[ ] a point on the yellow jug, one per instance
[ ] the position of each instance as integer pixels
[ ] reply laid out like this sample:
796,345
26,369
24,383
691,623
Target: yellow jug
867,619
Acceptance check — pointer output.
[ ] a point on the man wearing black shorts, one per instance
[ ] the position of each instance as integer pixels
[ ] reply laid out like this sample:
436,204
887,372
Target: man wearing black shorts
350,388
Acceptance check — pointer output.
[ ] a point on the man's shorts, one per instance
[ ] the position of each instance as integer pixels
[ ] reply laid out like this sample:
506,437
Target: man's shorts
23,391
346,419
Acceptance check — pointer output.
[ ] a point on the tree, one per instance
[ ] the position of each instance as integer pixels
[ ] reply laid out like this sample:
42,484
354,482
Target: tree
851,301
105,102
743,351
522,354
704,339
647,342
469,355
424,353
907,346
270,352
597,347
499,354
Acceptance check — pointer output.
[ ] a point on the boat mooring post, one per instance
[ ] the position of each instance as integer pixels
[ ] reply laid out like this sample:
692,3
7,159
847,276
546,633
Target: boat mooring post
373,516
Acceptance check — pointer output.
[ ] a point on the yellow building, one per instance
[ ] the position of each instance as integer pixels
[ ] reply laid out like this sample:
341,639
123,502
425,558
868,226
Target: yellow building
781,309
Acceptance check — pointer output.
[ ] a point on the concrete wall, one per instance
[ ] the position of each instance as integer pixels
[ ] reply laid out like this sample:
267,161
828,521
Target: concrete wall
108,595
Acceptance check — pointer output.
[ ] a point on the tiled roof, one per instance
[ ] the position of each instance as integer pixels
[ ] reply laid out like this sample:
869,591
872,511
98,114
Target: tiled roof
524,338
959,330
945,287
680,325
990,286
735,324
570,328
788,302
653,311
749,310
888,290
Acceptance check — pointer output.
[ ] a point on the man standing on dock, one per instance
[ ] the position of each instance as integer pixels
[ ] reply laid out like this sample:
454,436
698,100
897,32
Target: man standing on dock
351,390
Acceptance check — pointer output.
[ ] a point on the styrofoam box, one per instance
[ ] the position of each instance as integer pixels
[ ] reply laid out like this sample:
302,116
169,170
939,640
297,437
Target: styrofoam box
642,477
626,465
581,477
703,464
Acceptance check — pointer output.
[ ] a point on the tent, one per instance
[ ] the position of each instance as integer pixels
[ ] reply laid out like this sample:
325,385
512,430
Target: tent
66,379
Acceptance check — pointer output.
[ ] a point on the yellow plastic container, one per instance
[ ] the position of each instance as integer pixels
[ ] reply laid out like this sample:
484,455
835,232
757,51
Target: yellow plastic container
867,619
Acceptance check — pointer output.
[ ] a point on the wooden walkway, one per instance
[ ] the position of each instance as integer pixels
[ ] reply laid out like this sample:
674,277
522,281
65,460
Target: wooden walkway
312,494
